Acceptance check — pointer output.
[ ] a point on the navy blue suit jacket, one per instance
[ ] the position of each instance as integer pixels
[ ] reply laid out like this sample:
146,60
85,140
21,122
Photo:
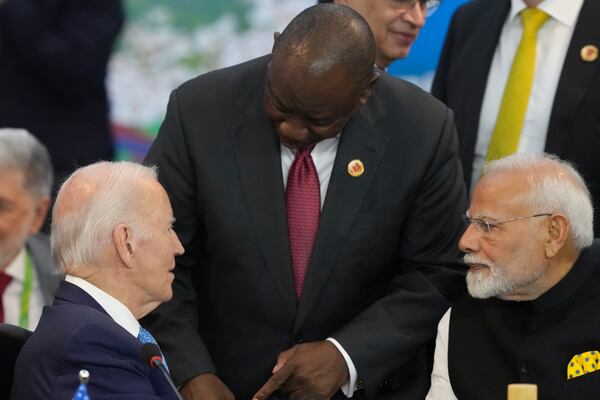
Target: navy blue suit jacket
76,333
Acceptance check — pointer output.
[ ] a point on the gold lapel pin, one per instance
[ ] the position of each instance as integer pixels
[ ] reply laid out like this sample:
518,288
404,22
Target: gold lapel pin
589,53
356,168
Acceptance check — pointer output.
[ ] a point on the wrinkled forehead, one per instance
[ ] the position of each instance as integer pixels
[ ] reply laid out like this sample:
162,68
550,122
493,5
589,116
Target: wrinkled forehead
501,195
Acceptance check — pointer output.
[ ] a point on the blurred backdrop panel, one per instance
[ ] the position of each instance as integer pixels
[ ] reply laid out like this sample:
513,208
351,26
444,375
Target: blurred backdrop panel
167,43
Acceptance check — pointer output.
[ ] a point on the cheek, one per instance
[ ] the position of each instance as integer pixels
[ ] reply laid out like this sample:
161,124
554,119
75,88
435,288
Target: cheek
15,224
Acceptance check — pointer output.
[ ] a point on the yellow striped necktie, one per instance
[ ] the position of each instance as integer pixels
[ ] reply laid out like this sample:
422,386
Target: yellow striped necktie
506,134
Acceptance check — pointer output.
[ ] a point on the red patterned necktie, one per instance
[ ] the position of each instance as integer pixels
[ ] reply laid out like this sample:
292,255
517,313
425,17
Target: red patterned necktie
303,202
4,281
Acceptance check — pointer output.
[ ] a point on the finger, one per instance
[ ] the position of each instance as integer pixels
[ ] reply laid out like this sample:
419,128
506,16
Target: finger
276,381
282,359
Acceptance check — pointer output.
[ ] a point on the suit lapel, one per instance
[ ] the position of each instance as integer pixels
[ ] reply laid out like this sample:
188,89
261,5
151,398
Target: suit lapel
359,140
575,77
258,158
482,43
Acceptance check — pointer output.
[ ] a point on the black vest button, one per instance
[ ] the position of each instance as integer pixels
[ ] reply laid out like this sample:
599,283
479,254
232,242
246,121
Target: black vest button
533,331
526,369
299,338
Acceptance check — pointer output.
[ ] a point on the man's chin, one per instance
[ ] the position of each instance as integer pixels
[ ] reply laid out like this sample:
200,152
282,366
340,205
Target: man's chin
480,284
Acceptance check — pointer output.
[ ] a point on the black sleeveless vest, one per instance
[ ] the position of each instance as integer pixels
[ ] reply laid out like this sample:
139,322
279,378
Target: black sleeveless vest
493,343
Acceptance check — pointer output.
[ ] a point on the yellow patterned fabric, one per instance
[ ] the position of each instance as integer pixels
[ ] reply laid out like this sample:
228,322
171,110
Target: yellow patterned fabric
583,363
511,116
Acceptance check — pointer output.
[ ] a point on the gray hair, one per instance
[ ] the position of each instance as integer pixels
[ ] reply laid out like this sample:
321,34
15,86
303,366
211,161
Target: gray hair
90,204
564,193
20,150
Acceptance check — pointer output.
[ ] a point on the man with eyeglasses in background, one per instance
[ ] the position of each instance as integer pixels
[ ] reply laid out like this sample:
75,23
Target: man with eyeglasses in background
395,24
533,277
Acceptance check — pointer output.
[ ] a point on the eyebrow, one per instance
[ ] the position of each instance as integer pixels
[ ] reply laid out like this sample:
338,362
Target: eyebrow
480,216
274,99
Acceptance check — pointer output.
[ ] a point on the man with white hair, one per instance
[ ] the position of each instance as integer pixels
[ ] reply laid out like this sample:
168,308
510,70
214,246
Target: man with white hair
112,235
28,278
534,272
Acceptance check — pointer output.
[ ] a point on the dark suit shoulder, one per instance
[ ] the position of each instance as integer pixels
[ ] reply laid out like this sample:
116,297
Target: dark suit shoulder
398,104
474,9
469,17
232,81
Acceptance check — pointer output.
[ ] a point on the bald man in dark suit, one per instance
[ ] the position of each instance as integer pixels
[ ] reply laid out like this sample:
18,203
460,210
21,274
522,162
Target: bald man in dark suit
382,264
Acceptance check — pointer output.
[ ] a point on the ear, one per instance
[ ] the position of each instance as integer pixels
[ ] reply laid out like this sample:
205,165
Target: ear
124,245
368,90
557,234
276,36
41,210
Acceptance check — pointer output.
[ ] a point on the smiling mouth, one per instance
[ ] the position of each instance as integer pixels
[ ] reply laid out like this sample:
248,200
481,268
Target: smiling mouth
409,37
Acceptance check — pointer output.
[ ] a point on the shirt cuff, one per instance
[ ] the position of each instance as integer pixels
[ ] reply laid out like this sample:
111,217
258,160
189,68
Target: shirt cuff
350,386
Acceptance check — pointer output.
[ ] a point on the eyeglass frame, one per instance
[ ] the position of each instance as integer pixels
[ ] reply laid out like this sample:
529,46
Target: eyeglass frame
409,4
483,225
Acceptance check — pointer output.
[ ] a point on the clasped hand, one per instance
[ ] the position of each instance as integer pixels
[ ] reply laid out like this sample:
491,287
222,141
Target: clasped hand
307,371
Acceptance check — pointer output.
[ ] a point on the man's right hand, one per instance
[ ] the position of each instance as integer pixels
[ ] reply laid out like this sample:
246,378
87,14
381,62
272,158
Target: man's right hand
205,387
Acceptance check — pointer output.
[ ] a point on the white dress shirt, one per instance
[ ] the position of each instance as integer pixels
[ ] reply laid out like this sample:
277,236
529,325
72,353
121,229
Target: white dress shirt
11,298
113,307
440,379
323,156
553,40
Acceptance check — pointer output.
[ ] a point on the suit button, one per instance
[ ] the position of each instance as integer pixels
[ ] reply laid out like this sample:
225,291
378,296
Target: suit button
533,330
298,338
526,369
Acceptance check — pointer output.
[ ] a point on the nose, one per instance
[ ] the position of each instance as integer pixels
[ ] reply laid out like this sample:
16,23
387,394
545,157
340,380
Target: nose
178,247
469,241
293,129
416,14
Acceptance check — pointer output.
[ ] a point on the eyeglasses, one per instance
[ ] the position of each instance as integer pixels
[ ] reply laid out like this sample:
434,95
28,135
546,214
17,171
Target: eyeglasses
429,6
486,226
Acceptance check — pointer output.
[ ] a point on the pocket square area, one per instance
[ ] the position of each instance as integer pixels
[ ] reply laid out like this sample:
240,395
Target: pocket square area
583,363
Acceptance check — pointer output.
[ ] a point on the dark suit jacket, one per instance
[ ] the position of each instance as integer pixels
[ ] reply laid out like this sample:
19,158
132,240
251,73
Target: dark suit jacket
48,277
75,333
384,259
53,57
461,77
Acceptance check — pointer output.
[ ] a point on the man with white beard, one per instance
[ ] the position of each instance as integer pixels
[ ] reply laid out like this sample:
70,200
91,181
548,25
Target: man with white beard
534,277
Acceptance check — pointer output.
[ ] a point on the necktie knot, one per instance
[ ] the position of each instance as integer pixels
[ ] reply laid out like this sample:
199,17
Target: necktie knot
533,19
305,151
5,280
146,337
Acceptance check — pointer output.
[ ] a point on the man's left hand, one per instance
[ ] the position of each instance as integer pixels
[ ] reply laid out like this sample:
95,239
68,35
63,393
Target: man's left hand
309,371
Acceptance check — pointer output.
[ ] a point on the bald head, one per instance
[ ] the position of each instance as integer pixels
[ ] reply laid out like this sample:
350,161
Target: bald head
321,72
91,203
328,38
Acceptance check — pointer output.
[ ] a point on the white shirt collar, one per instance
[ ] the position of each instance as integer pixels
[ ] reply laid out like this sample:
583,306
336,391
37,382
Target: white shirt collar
321,146
115,309
16,269
564,11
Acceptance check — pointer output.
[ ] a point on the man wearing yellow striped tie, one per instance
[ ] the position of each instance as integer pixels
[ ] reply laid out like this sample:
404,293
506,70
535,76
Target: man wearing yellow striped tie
524,76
